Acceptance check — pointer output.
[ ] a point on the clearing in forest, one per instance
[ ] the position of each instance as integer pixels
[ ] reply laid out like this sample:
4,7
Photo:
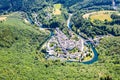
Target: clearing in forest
56,10
99,15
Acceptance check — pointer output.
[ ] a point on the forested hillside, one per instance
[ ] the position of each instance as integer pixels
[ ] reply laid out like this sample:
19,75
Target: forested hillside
21,5
26,25
27,5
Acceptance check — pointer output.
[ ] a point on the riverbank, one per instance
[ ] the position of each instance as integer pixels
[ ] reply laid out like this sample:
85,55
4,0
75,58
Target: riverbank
95,57
92,60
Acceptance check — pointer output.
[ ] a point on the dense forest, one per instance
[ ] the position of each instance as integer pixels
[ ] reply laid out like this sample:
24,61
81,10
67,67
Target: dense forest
27,5
98,27
21,57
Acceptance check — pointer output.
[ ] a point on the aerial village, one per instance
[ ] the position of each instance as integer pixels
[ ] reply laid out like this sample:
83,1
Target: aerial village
72,48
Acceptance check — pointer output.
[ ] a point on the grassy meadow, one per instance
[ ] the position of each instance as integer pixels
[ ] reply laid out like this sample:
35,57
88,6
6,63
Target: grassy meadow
56,10
101,17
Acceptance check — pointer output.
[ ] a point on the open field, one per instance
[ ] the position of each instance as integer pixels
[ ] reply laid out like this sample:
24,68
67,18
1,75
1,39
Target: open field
16,19
87,15
57,6
26,21
56,10
3,18
101,17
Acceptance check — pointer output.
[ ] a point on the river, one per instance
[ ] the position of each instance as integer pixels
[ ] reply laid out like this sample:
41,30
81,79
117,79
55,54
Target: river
95,57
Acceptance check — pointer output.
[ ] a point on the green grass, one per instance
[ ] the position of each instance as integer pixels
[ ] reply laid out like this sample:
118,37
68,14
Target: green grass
57,6
101,17
14,29
56,10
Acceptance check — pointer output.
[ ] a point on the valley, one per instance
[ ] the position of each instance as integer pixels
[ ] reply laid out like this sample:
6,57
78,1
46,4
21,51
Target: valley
60,40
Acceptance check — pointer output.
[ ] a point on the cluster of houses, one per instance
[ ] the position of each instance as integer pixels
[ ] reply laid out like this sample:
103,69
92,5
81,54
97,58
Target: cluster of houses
65,44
